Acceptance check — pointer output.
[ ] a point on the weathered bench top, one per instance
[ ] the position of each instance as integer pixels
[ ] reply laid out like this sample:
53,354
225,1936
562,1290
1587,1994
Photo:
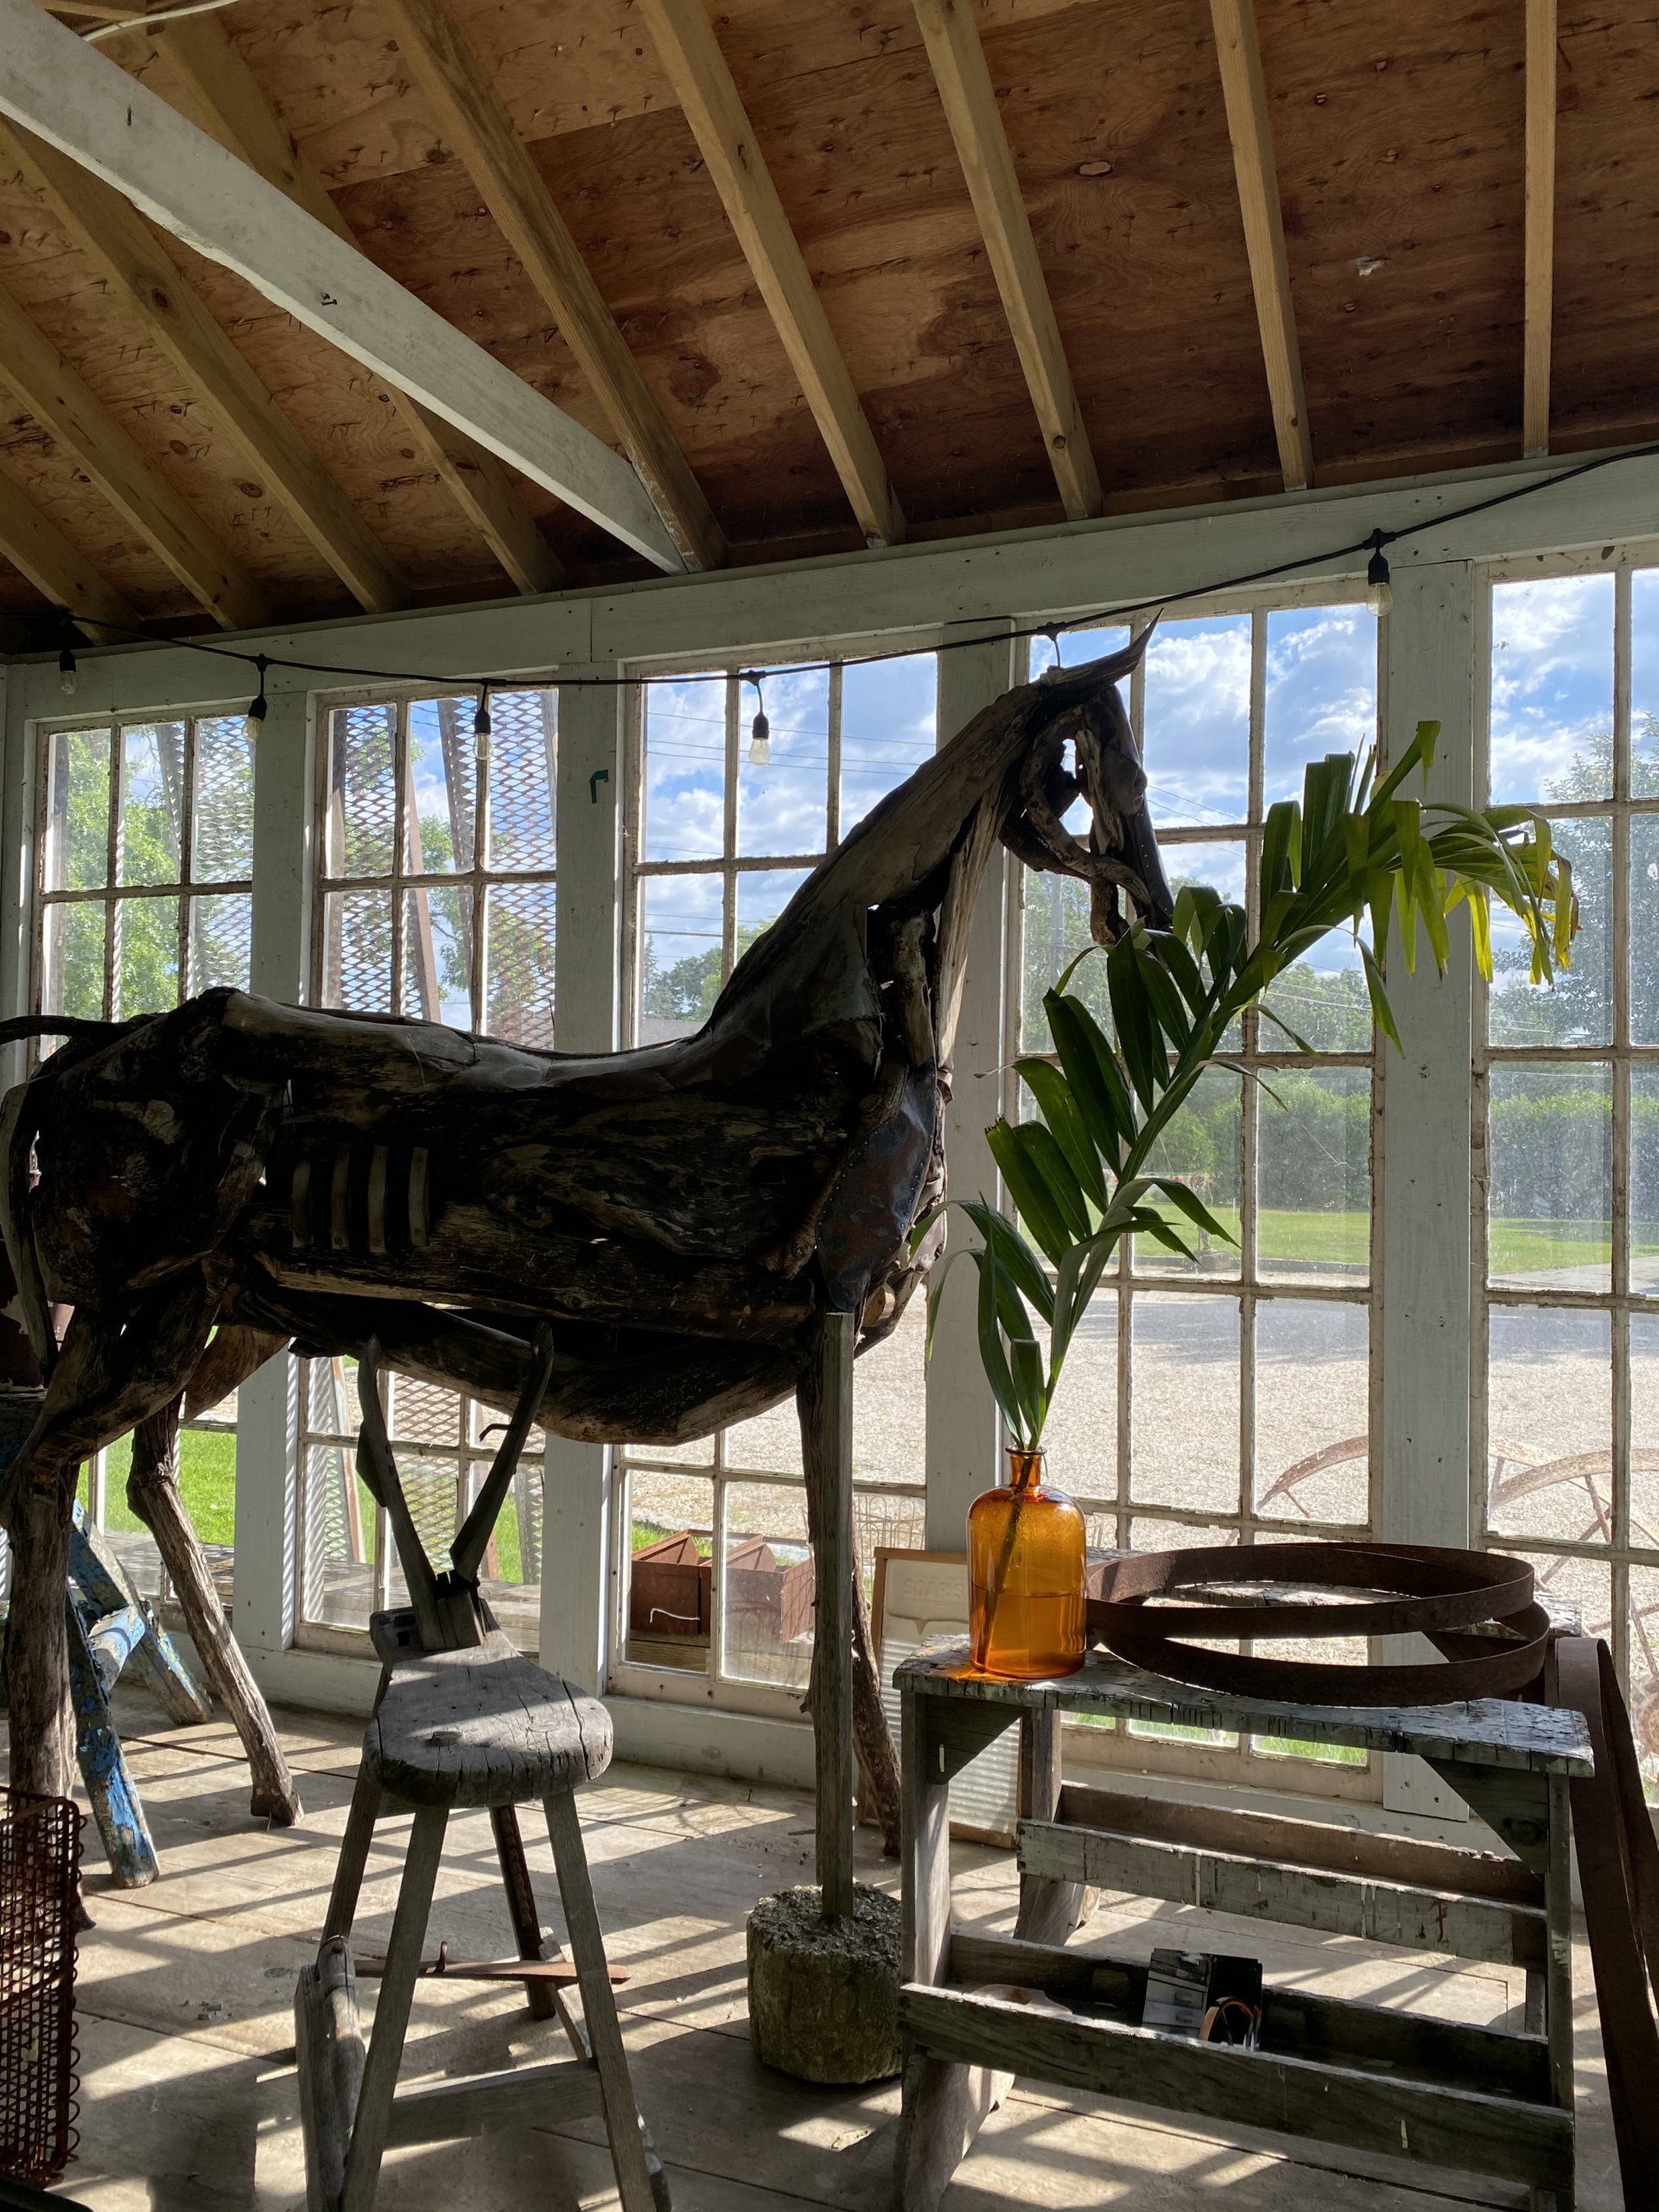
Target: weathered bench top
1483,1731
483,1727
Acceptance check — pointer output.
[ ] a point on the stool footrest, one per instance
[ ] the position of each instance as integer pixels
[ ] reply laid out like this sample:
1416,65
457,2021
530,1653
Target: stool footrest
530,2096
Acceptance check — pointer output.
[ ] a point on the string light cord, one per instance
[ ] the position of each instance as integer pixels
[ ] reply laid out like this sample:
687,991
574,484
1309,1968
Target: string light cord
1008,631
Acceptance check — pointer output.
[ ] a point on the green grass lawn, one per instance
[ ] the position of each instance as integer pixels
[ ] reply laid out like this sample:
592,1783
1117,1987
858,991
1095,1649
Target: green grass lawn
207,1484
1342,1240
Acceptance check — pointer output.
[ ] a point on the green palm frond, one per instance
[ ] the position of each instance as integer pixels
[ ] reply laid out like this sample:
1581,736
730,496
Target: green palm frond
1355,854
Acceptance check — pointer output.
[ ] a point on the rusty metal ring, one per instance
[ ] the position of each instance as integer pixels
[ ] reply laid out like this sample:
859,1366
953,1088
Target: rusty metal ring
1433,1592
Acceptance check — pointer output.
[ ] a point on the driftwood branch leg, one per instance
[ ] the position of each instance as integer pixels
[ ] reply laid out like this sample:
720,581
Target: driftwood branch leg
877,1756
521,1903
37,1649
153,1494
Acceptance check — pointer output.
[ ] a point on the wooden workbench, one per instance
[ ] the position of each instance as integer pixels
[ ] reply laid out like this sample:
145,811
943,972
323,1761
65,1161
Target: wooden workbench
1479,2099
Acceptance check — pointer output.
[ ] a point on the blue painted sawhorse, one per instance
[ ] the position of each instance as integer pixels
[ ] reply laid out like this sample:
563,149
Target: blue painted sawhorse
112,1629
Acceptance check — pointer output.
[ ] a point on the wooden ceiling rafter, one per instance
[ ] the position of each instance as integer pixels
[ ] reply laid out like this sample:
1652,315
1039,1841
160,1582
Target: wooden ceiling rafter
145,279
96,123
957,60
474,123
1540,292
197,55
58,570
33,370
1244,91
697,69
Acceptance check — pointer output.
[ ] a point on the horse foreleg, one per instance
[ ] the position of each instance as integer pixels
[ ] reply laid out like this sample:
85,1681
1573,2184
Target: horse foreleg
153,1494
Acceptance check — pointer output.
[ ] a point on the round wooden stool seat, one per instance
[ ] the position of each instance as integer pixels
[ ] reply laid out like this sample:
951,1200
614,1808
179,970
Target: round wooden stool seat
484,1726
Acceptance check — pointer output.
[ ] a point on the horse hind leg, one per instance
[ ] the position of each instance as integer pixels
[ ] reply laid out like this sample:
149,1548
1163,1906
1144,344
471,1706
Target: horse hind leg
153,1494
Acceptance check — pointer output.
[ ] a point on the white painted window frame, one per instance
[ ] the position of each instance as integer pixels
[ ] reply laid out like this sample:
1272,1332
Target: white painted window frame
1424,1253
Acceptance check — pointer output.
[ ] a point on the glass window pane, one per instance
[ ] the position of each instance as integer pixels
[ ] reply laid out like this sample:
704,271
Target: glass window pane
422,1413
524,778
73,964
1552,689
888,718
432,1486
518,964
152,802
1321,690
768,1443
362,790
889,1382
221,937
1203,1149
1320,999
1577,1009
762,895
781,807
1644,930
146,957
338,1527
78,811
438,953
679,955
1184,1444
1575,1583
1313,1175
1644,1435
442,796
1081,1435
766,1580
1645,684
1550,1163
223,801
1549,1434
357,951
670,1523
1312,1417
1197,720
685,769
1644,1180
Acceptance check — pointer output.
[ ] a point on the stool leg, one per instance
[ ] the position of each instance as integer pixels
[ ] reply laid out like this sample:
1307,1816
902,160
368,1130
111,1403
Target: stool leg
373,2122
521,1903
354,1855
622,2121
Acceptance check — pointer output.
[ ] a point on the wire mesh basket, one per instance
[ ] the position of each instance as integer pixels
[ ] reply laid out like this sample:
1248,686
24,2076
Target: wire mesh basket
40,1859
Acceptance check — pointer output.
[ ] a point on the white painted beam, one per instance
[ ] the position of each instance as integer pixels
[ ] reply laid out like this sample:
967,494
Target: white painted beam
56,86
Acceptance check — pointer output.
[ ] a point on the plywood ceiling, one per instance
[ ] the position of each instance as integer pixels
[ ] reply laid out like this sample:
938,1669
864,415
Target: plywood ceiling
1397,144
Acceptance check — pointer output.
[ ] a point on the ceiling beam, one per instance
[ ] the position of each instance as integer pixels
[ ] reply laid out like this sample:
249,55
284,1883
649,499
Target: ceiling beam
474,123
958,63
145,280
1540,226
197,54
1240,54
37,373
61,574
690,52
94,114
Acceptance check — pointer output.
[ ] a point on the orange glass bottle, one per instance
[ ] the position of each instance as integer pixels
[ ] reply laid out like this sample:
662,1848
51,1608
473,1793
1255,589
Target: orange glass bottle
1025,1575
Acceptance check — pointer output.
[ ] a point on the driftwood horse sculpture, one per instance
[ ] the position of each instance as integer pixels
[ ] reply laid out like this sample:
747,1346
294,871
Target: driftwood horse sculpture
208,1186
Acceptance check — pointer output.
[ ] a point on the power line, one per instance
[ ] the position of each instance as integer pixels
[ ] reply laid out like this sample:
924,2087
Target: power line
63,622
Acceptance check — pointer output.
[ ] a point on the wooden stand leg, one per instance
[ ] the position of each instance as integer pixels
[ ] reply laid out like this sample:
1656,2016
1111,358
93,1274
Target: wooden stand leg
825,1402
368,2144
636,2186
115,1801
521,1903
945,2104
1050,1911
354,1855
1557,1976
37,1651
153,1494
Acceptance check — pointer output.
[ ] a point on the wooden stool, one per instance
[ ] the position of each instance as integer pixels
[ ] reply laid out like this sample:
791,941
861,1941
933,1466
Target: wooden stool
470,1724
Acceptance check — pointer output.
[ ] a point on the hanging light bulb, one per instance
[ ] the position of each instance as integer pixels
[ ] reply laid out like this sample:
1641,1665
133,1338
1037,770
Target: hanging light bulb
1379,594
760,728
66,672
481,726
258,707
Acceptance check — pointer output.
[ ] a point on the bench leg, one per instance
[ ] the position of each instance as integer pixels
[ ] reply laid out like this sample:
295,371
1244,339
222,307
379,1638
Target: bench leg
353,1858
1050,1911
373,2121
639,2190
521,1903
946,2106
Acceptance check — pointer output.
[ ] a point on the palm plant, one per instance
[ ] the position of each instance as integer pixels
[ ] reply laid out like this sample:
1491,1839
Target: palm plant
1353,852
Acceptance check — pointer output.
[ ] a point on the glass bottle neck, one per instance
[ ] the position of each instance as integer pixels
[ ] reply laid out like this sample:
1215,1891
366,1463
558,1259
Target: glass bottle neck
1025,1468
